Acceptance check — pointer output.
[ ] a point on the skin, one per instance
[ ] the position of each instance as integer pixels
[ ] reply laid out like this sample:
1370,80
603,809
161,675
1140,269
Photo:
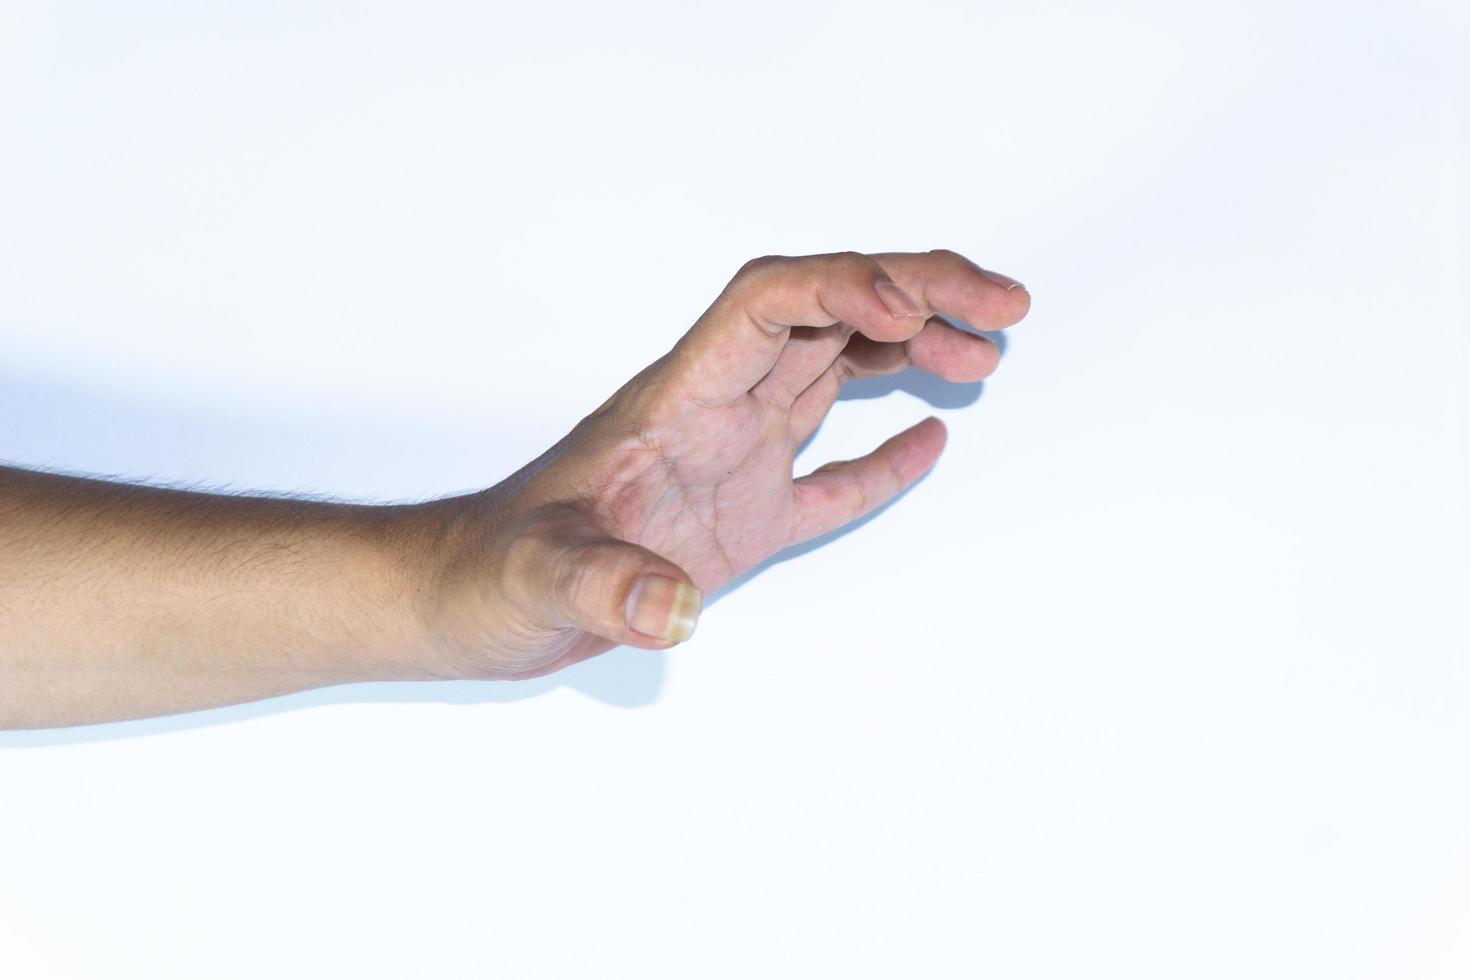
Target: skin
119,601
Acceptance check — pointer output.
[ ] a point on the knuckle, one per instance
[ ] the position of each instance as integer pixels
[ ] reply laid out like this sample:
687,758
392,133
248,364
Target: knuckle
588,578
949,257
845,497
895,474
755,267
854,264
576,577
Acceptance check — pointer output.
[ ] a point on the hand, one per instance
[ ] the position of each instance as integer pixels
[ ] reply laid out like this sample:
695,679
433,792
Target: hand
683,479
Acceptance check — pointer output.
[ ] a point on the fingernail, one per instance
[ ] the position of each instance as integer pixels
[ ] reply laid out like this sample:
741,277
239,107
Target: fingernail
664,607
1001,280
899,303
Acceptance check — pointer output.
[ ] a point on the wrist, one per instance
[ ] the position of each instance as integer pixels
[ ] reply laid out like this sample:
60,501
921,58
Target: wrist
447,558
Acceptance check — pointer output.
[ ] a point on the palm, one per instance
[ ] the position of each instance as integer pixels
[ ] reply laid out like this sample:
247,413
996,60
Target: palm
716,494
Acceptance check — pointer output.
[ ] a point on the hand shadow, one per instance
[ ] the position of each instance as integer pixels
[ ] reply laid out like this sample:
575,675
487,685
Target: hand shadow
66,425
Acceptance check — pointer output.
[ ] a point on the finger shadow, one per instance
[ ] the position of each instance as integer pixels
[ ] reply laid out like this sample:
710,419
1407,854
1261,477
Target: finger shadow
923,385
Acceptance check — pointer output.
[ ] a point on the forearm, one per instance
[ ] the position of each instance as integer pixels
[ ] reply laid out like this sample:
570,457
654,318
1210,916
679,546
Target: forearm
120,601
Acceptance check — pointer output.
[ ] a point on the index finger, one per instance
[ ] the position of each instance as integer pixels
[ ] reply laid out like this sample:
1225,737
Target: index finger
952,285
739,338
885,297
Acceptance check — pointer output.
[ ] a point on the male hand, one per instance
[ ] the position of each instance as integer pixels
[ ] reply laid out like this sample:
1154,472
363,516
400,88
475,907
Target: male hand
683,479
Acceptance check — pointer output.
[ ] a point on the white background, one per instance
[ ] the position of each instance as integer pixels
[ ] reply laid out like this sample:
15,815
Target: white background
1161,673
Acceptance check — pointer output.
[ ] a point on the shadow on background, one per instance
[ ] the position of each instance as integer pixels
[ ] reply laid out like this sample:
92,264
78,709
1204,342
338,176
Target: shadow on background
77,428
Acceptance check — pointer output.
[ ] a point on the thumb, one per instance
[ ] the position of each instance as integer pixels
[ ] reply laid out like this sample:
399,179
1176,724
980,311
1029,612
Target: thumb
589,580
